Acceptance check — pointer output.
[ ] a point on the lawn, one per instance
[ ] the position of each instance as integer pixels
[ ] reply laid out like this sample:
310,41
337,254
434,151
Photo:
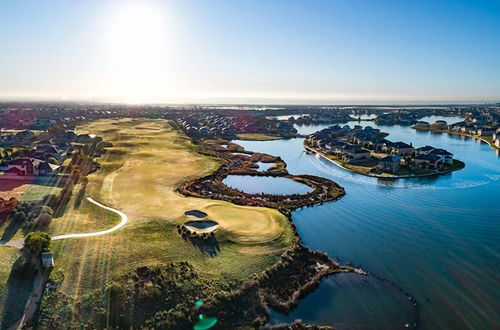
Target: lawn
26,191
257,137
361,166
139,176
7,257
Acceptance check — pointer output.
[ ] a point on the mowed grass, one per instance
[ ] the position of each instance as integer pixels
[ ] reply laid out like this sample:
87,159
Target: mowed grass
257,137
25,191
8,256
139,176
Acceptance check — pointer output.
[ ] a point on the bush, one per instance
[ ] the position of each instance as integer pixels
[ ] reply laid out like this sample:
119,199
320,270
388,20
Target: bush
37,242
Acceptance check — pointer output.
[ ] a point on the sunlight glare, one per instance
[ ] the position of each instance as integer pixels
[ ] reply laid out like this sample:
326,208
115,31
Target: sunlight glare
136,42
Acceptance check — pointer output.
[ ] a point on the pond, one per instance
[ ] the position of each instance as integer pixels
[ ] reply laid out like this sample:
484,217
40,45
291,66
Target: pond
435,237
266,185
264,166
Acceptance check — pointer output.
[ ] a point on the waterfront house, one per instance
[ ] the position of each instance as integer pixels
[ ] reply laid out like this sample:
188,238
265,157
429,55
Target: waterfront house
424,150
497,134
389,164
439,124
422,124
485,131
401,148
445,156
426,161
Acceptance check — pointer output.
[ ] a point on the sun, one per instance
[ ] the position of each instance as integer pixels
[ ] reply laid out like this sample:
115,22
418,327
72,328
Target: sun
137,27
138,46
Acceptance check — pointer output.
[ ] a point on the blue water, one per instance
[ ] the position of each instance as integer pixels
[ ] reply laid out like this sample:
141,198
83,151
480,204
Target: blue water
266,185
438,238
264,166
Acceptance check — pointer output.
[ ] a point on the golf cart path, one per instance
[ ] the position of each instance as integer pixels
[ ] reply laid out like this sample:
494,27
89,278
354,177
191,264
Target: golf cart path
123,216
124,219
39,282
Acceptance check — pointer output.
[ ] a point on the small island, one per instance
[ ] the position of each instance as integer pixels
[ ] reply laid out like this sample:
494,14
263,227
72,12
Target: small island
366,151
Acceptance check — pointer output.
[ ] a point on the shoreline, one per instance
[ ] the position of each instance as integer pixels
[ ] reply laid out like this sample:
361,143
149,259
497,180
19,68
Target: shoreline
266,289
491,144
322,154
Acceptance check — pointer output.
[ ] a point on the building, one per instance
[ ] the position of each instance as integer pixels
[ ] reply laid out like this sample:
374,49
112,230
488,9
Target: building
440,124
485,131
426,161
422,124
30,167
47,259
445,156
390,164
401,148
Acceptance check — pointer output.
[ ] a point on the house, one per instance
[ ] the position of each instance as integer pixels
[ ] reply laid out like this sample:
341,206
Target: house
401,148
47,259
85,138
445,156
390,164
497,134
422,124
426,161
440,124
29,166
355,154
424,150
485,131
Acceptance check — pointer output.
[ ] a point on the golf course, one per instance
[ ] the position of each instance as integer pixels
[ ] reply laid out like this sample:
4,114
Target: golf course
139,176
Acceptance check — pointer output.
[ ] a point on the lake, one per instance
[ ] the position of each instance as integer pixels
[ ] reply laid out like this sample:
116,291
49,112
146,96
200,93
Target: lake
266,185
437,238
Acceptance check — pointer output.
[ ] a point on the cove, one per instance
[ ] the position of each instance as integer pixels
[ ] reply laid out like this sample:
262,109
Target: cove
265,185
435,237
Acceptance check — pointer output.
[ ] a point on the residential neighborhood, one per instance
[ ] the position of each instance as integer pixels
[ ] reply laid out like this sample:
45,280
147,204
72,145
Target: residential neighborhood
480,124
366,150
210,125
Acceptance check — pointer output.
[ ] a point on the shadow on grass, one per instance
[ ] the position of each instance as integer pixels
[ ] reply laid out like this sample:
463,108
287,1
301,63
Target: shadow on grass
10,230
208,246
79,197
19,287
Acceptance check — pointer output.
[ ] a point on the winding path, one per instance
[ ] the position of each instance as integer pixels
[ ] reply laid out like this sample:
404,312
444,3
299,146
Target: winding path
39,281
124,219
123,216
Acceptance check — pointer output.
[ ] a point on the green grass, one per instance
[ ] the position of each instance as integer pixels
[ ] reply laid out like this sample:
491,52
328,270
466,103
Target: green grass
257,137
26,191
8,256
362,166
139,176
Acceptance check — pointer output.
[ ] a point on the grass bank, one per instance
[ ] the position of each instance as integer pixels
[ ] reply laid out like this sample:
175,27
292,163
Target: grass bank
257,137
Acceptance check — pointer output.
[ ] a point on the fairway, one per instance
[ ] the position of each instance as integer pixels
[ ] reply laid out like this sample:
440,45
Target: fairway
139,176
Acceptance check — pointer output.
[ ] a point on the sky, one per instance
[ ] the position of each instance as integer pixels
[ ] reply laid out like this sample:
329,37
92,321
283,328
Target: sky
255,51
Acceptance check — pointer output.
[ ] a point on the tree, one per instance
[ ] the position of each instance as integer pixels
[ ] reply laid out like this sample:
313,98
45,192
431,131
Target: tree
37,242
44,218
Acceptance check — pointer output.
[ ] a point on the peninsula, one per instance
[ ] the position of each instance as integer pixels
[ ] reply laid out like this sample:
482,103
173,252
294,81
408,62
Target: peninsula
366,151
